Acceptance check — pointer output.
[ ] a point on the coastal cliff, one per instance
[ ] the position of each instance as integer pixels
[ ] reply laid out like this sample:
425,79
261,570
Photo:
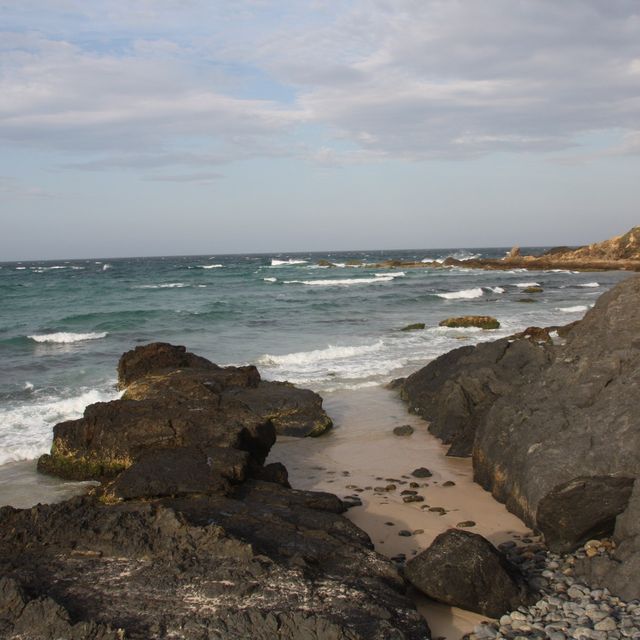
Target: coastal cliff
190,535
553,429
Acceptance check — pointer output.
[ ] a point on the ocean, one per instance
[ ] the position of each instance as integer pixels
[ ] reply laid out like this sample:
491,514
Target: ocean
65,323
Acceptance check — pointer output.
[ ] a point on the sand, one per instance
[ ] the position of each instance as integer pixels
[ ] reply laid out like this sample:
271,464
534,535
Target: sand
363,453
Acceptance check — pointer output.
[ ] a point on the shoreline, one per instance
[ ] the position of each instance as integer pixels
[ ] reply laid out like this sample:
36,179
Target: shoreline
362,443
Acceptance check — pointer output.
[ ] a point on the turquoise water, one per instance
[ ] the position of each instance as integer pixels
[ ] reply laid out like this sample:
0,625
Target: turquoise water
64,324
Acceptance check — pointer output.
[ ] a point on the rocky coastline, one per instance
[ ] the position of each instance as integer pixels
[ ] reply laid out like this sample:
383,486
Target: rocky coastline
550,419
191,534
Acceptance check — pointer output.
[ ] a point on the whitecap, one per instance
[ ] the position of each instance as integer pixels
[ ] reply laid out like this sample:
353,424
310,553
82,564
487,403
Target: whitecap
279,263
496,289
211,266
63,337
166,285
590,284
329,354
577,309
395,274
270,279
524,285
106,266
343,282
20,268
464,294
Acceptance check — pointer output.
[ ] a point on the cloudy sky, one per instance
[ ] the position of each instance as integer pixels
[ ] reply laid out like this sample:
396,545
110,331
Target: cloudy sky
154,127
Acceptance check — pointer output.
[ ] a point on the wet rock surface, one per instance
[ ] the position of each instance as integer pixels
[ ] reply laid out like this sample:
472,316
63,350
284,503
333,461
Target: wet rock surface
194,537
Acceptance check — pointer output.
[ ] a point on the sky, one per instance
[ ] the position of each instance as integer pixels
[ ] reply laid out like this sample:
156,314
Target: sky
172,127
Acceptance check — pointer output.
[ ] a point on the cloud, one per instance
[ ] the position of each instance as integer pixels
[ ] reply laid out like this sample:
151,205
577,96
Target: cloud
11,187
195,178
167,83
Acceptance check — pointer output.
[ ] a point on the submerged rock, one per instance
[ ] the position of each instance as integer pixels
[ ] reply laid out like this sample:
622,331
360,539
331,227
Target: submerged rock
462,569
481,322
416,326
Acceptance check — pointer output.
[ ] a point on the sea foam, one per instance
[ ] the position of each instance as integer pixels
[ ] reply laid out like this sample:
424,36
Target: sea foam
343,282
577,309
63,337
211,266
27,429
465,294
279,263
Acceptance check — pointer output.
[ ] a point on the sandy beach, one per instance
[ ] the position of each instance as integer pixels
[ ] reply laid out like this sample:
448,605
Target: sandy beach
361,454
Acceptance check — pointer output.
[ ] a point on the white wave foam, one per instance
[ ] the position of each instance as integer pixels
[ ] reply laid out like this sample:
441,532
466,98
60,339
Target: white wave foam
106,266
211,266
590,284
167,285
28,386
496,289
20,268
330,354
524,285
27,429
279,263
270,279
577,309
465,294
343,282
396,274
63,337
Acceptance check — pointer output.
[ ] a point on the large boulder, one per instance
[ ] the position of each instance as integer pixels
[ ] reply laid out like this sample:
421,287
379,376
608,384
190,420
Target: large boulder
462,569
561,449
455,391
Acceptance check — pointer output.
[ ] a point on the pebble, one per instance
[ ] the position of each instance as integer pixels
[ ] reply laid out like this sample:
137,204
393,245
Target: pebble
567,609
421,472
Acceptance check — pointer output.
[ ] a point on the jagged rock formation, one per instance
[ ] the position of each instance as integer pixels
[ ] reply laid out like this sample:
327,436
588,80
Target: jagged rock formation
174,398
624,247
554,429
193,537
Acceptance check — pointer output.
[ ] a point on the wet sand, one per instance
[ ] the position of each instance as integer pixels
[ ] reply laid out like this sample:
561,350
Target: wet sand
362,456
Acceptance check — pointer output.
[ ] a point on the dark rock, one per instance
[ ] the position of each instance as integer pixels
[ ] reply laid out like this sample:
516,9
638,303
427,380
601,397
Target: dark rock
416,326
465,524
455,391
533,290
181,471
273,472
560,447
293,412
404,430
155,358
421,472
415,498
482,322
463,569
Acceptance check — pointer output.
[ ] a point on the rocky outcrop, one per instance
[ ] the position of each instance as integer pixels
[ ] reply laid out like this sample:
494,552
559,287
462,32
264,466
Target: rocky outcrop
173,398
624,247
561,449
481,322
553,428
456,390
193,537
462,569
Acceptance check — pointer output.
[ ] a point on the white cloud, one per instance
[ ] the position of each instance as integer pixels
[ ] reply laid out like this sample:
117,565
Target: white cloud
409,79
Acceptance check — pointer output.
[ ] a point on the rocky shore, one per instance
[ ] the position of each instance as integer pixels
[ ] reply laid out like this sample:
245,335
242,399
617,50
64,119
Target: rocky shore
190,535
550,419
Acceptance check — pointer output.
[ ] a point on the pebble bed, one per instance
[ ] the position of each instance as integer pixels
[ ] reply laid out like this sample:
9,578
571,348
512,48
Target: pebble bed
567,609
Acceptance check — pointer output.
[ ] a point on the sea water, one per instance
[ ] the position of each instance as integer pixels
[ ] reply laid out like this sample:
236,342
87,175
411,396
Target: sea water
64,324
